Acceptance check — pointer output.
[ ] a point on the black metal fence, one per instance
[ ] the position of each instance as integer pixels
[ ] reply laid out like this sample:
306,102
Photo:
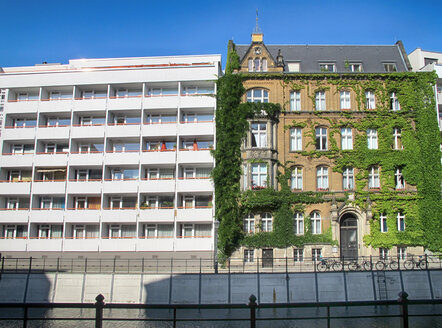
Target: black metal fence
251,312
200,265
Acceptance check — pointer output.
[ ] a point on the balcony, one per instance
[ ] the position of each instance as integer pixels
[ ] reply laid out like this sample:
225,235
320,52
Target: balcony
159,129
120,186
155,244
49,187
157,214
194,244
52,159
154,102
120,215
157,185
46,215
124,103
53,132
13,245
83,187
201,214
194,156
122,158
123,130
45,245
19,133
83,215
80,104
17,160
95,131
194,185
15,188
118,245
199,128
55,105
90,158
21,107
14,216
195,101
81,245
158,157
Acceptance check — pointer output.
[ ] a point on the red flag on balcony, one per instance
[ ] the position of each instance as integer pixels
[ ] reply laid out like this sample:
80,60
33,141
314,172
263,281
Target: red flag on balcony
195,145
163,146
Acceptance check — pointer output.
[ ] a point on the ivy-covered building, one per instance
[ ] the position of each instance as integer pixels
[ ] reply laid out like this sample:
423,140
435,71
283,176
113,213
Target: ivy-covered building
337,156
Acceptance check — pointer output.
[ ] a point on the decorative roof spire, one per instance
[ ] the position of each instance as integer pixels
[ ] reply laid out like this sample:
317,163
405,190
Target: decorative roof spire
257,30
257,35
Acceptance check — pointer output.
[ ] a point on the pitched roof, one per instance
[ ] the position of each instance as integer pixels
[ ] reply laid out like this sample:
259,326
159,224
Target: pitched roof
372,57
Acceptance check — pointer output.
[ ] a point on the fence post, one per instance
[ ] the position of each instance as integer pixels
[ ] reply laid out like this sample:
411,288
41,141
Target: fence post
252,304
403,303
99,305
426,261
30,264
25,316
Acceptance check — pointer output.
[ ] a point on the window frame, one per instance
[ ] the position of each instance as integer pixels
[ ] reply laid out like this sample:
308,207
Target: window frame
257,181
397,139
298,223
346,138
400,221
263,98
320,101
298,255
395,106
295,101
296,179
267,222
322,182
345,99
249,224
316,223
348,178
370,99
258,135
372,138
321,139
399,180
374,177
383,223
295,139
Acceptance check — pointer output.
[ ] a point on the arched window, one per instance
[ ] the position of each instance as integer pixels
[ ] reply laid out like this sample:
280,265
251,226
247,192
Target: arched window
315,219
258,95
267,222
249,224
298,223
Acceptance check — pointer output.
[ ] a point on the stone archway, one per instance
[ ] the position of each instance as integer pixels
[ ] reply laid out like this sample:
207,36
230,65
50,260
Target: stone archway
349,236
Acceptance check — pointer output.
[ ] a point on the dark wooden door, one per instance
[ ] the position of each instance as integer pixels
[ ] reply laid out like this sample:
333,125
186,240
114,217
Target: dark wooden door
267,258
349,237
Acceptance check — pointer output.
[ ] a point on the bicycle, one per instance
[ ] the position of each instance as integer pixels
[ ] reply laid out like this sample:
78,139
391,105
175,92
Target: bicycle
383,264
327,264
356,266
411,264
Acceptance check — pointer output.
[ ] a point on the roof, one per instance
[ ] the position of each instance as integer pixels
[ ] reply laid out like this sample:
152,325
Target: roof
372,57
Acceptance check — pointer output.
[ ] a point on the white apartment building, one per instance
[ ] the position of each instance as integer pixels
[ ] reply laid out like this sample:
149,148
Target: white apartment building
108,155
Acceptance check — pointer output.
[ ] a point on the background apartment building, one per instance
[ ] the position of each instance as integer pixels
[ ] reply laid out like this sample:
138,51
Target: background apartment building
108,155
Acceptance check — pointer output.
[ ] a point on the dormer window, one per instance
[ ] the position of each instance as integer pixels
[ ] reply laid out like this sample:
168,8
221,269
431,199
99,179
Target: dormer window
355,67
257,64
390,67
325,67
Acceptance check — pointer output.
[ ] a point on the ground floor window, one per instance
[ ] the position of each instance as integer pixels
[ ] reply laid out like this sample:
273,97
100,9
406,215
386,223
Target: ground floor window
401,252
298,254
249,255
316,254
383,253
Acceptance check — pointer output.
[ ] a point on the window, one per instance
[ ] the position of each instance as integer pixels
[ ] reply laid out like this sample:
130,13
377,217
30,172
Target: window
321,138
315,219
383,222
50,231
316,254
266,222
346,139
372,139
259,175
257,65
22,149
93,94
373,177
157,230
322,178
394,102
189,230
249,255
158,92
355,67
258,95
348,178
370,102
295,101
320,100
162,202
122,231
296,180
52,202
400,221
249,224
298,223
24,122
402,252
58,121
294,67
259,135
383,253
81,231
345,100
327,67
390,67
12,231
399,181
12,203
298,254
397,139
295,139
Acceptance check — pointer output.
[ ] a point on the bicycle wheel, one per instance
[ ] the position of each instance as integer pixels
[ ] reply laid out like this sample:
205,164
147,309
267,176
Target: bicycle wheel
337,266
394,265
367,265
353,266
322,267
423,264
409,264
380,265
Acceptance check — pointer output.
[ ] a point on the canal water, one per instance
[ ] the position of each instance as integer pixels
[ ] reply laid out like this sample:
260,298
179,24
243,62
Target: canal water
277,318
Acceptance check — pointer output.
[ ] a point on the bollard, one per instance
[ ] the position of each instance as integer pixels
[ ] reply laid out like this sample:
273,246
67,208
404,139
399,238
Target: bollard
99,305
252,304
403,303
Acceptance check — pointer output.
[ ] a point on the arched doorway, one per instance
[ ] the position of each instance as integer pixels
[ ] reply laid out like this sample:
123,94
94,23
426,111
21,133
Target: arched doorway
349,236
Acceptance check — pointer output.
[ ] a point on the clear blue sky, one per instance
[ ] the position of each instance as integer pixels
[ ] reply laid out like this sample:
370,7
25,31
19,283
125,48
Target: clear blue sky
56,31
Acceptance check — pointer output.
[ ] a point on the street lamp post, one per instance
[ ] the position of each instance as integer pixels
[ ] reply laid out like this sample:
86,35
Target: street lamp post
215,246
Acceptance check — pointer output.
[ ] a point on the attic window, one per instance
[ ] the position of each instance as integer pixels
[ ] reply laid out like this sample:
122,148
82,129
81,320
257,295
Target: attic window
325,67
294,67
257,64
355,67
390,67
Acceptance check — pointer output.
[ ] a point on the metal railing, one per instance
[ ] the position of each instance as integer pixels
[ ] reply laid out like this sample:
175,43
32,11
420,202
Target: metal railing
208,265
256,312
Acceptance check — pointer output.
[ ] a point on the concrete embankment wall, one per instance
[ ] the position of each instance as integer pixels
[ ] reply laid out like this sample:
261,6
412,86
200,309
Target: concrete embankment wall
219,288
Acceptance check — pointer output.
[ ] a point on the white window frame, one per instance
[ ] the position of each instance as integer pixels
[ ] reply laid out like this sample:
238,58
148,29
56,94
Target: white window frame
322,177
345,99
263,98
401,252
295,101
249,224
297,178
400,221
383,253
79,201
320,103
12,203
298,223
316,254
356,67
116,199
394,102
249,255
259,133
327,67
76,229
374,177
259,177
267,222
390,67
397,139
383,222
399,179
296,139
298,255
315,219
370,99
346,138
321,135
372,139
348,178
